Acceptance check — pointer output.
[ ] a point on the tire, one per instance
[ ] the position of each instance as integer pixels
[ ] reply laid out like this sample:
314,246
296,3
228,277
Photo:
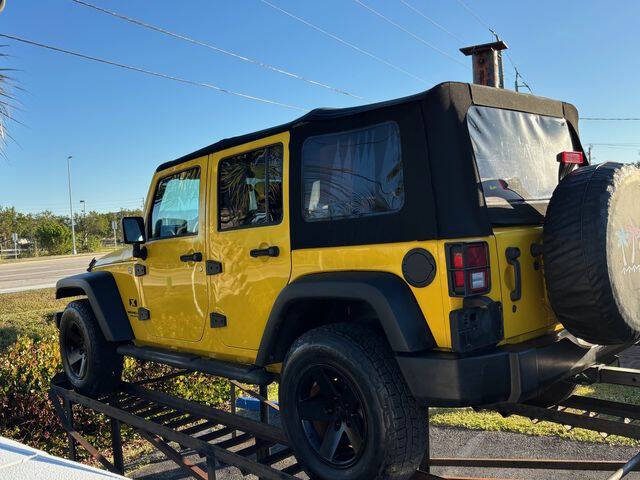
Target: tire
377,411
591,248
90,362
553,395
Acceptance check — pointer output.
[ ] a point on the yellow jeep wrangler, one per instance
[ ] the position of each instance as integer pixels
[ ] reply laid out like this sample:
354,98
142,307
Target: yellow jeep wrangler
452,248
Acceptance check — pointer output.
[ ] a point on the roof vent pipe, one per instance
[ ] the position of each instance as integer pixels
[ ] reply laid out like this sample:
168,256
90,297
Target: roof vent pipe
487,63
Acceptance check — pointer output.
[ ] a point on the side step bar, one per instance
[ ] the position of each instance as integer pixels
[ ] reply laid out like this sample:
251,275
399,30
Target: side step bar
242,373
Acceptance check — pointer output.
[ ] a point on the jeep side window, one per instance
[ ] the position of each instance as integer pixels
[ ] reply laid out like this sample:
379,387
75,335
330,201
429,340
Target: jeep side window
175,205
250,188
352,174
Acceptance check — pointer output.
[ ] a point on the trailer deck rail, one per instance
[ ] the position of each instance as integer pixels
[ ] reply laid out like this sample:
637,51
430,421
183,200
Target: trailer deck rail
260,448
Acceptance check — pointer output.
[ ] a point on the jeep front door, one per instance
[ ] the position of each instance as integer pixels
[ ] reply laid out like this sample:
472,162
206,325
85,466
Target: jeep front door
249,236
174,287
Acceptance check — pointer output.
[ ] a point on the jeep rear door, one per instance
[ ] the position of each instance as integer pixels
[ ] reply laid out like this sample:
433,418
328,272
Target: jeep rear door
249,237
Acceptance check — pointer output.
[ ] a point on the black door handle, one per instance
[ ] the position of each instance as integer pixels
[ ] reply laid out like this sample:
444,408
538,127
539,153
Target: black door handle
265,252
513,253
191,257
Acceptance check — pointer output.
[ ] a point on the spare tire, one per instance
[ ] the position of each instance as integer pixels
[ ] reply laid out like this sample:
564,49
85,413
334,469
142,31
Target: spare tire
591,249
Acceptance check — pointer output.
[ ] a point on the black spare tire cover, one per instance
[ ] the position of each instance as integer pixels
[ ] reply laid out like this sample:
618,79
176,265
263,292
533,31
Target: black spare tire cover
592,253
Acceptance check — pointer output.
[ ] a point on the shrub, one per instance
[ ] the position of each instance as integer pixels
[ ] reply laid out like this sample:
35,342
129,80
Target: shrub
26,414
89,243
54,237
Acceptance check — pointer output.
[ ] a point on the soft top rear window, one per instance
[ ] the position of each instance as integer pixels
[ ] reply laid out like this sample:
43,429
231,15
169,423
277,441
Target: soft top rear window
516,155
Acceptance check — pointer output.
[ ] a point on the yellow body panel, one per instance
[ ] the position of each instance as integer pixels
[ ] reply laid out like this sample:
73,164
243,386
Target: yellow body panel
180,296
129,287
174,292
247,287
532,313
384,258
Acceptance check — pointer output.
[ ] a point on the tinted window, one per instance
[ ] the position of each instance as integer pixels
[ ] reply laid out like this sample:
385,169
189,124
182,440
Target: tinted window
352,174
250,188
175,205
516,154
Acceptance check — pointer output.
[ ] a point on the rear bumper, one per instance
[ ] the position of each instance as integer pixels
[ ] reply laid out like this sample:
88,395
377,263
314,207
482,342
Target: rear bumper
507,374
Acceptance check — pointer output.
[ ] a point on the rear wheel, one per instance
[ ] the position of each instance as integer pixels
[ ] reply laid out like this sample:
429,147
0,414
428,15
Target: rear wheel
91,363
346,408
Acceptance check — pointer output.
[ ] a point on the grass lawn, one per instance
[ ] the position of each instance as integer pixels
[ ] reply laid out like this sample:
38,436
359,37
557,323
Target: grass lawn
28,313
31,313
492,421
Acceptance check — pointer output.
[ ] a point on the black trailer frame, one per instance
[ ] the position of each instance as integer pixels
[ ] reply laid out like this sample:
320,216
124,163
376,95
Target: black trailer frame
261,449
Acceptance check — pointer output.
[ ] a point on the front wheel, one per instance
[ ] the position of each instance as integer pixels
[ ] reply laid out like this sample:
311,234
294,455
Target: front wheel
91,362
346,409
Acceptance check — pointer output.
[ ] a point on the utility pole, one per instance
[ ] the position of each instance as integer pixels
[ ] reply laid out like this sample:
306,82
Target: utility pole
114,225
589,153
84,211
73,226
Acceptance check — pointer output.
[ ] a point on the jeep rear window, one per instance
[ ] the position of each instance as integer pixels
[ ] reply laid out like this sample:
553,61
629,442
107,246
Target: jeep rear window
176,205
516,154
354,173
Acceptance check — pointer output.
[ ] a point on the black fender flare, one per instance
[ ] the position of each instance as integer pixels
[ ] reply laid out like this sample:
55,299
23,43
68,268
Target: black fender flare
388,295
104,297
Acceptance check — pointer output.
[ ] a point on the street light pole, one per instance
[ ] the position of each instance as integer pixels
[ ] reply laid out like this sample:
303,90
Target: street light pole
73,226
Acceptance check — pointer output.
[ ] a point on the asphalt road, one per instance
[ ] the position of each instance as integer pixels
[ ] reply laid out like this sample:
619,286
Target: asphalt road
451,442
31,275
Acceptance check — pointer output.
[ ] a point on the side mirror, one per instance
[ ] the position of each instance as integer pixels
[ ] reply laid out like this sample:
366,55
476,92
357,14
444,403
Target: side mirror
133,230
133,233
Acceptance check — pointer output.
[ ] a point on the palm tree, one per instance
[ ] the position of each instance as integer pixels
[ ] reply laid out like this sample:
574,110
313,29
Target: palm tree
635,234
7,84
244,178
623,241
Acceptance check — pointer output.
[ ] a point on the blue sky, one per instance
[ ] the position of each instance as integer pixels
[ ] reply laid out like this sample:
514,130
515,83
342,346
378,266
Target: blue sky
120,125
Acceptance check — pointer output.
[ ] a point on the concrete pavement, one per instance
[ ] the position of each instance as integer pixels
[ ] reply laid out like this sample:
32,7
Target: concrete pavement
31,275
19,462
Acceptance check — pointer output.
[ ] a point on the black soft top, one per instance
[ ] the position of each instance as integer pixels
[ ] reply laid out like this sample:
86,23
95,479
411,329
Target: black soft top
448,95
444,198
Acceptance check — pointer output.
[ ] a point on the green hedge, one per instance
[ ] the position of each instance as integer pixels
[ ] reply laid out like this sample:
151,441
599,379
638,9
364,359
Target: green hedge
26,414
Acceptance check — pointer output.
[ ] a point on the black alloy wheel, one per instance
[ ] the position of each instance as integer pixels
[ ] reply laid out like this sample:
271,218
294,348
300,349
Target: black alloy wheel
346,409
332,416
75,351
91,363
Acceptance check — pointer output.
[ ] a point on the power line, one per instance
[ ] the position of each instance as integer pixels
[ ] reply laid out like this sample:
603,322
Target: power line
150,72
613,119
217,49
477,17
432,21
344,42
623,144
495,34
410,33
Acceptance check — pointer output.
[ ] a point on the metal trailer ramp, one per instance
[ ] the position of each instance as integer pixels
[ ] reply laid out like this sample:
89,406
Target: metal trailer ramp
261,449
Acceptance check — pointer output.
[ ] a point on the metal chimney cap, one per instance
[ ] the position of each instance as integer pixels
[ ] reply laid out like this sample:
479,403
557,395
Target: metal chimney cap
499,45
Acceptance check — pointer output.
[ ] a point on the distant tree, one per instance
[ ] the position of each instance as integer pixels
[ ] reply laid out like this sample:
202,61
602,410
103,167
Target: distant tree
53,236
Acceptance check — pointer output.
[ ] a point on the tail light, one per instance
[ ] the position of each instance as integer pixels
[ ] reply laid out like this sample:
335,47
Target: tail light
571,158
468,268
